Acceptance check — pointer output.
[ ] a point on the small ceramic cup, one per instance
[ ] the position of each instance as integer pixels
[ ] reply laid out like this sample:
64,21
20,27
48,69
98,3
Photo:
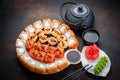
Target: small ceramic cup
90,36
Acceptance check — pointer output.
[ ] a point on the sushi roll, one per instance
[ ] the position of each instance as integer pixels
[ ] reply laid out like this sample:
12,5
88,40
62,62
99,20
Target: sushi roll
39,32
72,42
69,34
23,35
63,44
51,68
48,31
46,23
43,39
62,63
63,28
55,24
52,41
19,43
38,25
61,38
56,32
33,37
30,29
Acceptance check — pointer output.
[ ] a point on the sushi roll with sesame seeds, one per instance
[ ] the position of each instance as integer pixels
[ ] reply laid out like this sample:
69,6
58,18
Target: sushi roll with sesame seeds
56,32
52,41
43,39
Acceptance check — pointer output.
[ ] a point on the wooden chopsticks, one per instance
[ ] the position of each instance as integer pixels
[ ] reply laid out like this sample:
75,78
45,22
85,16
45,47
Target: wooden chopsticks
77,73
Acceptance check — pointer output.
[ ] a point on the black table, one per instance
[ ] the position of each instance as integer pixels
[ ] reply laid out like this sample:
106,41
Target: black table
16,14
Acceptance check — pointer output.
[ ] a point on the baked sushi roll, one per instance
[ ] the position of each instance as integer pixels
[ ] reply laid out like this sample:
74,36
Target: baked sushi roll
38,25
30,29
56,32
52,41
47,23
69,33
43,38
72,42
48,31
61,38
63,44
63,28
59,53
55,24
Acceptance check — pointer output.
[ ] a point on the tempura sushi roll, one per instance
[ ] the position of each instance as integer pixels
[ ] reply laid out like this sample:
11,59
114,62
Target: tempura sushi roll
38,25
43,39
46,23
48,31
30,29
69,33
63,44
56,32
55,24
61,38
63,28
52,41
72,42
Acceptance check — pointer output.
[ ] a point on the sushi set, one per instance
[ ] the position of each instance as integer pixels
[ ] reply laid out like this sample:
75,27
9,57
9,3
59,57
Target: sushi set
48,46
41,46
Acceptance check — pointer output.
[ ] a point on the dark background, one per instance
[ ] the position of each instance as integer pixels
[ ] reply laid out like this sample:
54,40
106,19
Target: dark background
16,14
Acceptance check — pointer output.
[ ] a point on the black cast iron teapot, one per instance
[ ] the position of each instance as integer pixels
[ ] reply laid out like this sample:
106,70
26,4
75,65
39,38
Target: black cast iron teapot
79,16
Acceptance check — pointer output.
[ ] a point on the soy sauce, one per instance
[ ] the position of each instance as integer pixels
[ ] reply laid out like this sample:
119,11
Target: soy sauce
73,56
91,36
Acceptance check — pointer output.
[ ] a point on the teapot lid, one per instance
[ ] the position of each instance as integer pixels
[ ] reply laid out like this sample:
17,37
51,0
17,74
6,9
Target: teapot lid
80,10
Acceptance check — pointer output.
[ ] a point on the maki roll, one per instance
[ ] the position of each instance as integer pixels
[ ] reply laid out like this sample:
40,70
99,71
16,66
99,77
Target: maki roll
61,38
63,44
56,32
46,23
47,31
33,37
69,33
43,38
39,32
38,25
52,41
72,42
63,28
55,24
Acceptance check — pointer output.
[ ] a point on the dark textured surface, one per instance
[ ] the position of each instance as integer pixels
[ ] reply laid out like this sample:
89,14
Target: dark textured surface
16,14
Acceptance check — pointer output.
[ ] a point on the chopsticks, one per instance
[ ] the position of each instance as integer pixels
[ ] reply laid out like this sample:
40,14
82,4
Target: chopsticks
76,74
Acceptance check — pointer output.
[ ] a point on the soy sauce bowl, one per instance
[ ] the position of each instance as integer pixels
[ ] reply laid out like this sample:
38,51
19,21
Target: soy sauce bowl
90,36
73,56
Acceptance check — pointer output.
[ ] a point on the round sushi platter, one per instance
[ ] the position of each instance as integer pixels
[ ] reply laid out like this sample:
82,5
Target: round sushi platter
41,46
48,46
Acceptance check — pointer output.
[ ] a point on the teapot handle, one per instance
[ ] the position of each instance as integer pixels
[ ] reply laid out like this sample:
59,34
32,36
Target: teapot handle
61,14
